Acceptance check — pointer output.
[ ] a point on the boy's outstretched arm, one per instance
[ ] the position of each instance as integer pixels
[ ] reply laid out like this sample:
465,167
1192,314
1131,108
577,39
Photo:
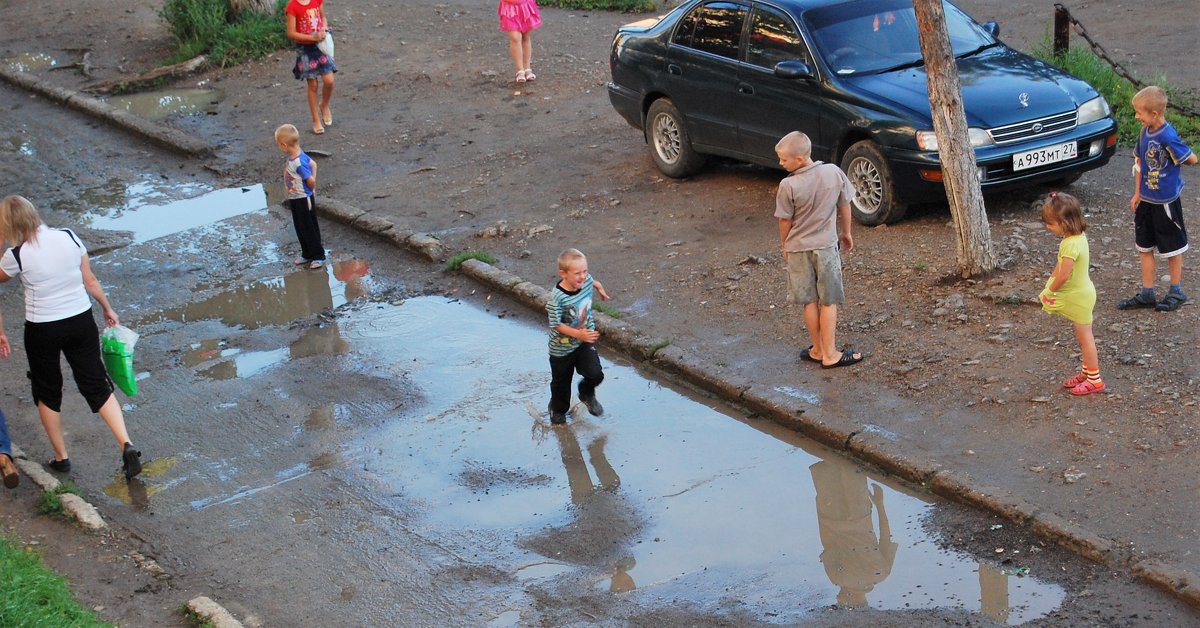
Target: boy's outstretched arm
599,289
584,334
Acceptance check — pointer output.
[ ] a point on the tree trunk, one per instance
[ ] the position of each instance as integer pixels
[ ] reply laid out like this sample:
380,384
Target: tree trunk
266,7
974,237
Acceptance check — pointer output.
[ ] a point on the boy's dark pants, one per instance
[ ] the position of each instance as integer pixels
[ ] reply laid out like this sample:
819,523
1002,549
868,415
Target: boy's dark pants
586,360
304,217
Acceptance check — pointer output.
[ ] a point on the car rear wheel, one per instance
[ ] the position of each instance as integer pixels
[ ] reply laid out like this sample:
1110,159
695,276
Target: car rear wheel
874,197
669,142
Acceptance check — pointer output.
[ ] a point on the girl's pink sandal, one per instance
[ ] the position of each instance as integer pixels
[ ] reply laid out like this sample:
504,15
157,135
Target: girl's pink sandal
1087,388
1075,380
521,76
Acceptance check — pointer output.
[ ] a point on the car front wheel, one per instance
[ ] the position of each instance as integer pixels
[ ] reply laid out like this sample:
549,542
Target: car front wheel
874,197
669,142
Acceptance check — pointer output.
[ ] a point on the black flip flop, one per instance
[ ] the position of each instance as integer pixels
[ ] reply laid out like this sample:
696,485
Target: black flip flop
846,360
806,355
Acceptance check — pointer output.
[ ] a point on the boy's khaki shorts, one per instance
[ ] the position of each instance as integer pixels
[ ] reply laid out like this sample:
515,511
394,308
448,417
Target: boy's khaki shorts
815,277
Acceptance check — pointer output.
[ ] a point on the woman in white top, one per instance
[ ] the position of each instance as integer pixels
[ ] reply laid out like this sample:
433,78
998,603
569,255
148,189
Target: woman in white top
54,270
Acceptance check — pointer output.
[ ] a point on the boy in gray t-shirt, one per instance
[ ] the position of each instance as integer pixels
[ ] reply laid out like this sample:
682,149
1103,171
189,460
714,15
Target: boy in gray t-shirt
813,206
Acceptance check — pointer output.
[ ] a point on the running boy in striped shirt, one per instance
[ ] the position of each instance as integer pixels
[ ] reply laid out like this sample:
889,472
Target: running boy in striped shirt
573,337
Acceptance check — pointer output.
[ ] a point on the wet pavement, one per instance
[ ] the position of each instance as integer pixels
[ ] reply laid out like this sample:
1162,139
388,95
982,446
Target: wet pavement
364,444
375,426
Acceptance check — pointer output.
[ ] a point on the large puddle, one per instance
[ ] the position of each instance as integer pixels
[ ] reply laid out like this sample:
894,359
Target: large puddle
158,105
149,211
665,498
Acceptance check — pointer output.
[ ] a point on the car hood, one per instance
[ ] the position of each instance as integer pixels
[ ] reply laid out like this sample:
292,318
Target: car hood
994,86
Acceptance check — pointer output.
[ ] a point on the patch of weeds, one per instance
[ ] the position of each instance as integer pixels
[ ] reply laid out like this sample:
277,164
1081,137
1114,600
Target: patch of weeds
192,618
1083,63
1012,298
607,309
921,266
50,503
35,596
629,6
456,262
229,38
656,347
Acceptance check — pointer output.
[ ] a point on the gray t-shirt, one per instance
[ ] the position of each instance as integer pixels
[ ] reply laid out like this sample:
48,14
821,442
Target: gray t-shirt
809,197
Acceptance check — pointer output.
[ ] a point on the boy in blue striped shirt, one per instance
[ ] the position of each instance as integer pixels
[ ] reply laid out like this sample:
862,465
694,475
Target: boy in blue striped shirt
573,337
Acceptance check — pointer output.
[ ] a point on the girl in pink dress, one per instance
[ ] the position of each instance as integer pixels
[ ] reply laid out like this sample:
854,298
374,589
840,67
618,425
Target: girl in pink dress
306,26
518,18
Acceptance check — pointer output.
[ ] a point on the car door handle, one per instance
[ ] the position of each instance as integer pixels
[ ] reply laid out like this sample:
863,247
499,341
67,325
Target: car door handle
745,88
674,69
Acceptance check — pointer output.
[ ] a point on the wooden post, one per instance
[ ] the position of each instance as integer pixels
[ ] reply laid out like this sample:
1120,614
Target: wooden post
974,237
1062,29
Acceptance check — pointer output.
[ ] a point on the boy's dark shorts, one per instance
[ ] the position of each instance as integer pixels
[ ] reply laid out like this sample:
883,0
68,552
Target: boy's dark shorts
1159,226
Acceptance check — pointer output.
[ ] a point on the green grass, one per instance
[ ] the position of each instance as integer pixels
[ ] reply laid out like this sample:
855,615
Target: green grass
1082,62
607,309
630,6
32,595
50,503
456,262
208,27
193,619
656,347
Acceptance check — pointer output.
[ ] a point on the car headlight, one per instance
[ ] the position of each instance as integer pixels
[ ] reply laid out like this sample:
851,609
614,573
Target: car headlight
927,140
1094,109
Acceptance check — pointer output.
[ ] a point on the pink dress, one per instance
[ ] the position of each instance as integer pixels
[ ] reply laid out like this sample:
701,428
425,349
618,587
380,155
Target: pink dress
521,16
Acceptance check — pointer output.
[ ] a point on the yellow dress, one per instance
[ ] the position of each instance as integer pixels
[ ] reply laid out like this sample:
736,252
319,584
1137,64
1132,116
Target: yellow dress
1076,298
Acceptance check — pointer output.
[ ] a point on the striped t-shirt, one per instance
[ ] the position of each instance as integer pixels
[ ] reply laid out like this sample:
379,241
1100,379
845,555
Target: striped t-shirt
569,308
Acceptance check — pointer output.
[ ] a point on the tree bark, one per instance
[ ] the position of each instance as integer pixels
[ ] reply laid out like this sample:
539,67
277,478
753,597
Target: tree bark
974,251
266,7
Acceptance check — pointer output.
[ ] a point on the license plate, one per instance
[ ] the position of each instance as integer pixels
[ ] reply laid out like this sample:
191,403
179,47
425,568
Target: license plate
1048,155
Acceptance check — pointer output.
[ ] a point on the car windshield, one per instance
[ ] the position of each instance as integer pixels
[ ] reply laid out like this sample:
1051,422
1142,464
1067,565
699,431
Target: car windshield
874,36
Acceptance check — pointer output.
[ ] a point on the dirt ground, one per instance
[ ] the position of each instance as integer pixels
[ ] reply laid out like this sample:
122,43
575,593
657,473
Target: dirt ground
431,132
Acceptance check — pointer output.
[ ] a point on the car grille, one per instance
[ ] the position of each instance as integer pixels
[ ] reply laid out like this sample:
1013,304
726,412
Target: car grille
1049,125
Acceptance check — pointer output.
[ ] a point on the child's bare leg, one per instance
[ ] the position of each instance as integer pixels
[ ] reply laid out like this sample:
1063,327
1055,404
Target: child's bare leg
828,325
1087,344
1148,268
112,415
311,94
515,47
1175,267
52,422
326,95
527,49
812,322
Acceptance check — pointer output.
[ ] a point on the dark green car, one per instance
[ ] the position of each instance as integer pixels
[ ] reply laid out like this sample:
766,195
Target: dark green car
730,77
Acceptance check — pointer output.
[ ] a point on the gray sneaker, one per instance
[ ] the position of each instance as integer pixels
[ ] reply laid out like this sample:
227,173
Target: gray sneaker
593,405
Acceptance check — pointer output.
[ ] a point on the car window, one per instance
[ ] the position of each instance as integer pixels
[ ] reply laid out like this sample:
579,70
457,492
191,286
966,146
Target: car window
878,35
773,38
715,27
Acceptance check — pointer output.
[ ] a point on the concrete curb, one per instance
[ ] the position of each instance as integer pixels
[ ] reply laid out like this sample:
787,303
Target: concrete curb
776,405
159,134
73,505
213,612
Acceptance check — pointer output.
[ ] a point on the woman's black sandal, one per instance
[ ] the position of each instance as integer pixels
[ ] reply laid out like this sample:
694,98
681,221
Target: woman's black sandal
62,466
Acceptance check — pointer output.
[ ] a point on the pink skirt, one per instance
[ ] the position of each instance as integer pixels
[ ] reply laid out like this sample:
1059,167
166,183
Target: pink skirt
519,17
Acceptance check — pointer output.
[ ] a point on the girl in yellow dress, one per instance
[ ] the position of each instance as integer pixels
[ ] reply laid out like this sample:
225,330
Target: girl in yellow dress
1069,291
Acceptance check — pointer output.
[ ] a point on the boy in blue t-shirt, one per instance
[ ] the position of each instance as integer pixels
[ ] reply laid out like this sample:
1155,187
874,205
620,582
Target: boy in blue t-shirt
1158,212
300,181
573,336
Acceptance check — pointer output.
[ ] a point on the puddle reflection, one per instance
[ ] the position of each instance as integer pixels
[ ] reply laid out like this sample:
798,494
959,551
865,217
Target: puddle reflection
281,300
680,481
148,222
157,106
29,61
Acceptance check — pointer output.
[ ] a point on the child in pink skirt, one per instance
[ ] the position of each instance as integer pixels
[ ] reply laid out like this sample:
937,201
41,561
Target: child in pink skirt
518,18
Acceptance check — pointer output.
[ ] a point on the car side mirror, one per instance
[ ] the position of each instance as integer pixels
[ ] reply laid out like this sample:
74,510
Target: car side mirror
992,28
794,70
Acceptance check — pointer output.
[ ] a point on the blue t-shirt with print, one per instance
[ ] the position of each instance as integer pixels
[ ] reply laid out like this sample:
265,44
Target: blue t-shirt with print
1159,154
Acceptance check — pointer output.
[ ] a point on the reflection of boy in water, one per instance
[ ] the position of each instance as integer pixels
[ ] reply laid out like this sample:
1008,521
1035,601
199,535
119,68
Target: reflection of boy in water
855,559
578,477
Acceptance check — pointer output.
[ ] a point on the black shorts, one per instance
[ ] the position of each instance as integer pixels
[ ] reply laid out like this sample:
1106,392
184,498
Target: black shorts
1159,226
78,339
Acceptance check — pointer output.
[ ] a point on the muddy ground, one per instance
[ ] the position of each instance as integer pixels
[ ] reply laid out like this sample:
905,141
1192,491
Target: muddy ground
430,132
